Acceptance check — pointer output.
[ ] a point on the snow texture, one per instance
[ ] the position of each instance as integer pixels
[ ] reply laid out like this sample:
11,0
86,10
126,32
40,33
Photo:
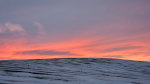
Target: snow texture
74,71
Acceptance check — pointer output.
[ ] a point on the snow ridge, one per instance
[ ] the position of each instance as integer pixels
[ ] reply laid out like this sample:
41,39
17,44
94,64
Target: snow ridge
74,71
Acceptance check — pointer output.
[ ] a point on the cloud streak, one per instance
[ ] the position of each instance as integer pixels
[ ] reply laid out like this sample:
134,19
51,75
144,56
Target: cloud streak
123,48
46,52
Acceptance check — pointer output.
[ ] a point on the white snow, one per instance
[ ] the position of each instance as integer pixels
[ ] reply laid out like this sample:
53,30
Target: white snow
74,71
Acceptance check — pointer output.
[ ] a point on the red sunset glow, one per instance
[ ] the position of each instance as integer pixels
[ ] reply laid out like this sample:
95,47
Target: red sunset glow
72,29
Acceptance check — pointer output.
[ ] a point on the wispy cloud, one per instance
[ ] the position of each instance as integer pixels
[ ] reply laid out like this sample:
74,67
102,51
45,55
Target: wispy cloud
14,27
45,52
10,27
39,27
122,48
114,56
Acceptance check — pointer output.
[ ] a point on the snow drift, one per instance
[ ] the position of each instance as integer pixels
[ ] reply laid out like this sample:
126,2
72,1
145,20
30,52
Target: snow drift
74,71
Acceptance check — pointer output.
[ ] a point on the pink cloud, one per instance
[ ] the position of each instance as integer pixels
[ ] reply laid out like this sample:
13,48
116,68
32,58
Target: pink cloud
11,28
14,27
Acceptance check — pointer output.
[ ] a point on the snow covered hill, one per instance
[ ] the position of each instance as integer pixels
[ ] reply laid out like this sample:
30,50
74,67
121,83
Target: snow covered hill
74,71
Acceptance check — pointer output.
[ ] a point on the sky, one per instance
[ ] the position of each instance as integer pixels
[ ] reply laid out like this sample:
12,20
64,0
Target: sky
43,29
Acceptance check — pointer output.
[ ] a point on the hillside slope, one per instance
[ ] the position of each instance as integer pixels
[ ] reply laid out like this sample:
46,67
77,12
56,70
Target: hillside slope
74,71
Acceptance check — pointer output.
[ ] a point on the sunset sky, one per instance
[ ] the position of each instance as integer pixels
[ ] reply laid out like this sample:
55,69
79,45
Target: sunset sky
41,29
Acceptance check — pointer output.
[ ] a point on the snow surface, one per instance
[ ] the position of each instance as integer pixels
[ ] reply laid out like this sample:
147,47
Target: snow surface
74,71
